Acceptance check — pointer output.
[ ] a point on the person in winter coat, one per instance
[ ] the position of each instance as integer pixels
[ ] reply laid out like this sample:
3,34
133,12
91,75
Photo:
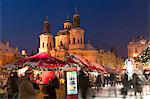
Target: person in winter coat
26,89
98,82
8,86
83,84
126,85
136,84
12,85
15,86
51,88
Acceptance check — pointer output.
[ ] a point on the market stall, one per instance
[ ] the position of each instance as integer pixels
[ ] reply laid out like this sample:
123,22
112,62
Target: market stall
86,64
43,65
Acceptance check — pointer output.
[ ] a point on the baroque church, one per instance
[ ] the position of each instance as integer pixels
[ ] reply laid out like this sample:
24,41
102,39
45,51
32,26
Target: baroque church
71,40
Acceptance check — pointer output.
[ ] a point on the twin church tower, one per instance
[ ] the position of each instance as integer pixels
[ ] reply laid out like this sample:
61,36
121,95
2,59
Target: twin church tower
71,37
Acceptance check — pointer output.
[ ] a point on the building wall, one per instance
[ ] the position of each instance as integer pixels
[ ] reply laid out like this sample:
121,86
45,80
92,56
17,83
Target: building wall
64,39
7,54
108,58
105,58
46,42
91,55
76,39
136,47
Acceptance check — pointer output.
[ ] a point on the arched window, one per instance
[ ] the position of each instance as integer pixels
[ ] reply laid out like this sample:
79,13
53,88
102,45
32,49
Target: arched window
73,40
43,45
81,40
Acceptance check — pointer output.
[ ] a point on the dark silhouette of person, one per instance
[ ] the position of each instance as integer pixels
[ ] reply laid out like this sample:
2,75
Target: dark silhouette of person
136,85
51,88
126,85
98,82
12,85
8,86
83,84
15,85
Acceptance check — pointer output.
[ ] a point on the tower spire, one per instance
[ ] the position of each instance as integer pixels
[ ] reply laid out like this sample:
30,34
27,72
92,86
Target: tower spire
46,19
46,25
76,18
67,18
76,9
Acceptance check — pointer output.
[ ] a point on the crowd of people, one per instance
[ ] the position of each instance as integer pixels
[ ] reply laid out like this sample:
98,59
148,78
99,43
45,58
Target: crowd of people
87,82
26,87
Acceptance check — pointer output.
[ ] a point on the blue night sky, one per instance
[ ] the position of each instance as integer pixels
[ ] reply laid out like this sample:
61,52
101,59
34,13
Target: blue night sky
107,22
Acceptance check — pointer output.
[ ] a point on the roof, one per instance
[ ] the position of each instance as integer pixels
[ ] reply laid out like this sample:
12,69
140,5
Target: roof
89,46
63,32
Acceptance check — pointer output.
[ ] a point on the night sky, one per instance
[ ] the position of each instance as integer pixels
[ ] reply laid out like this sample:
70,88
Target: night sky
108,23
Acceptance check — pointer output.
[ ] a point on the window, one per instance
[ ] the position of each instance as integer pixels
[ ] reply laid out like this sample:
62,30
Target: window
47,45
69,41
136,50
61,44
73,40
43,45
50,45
81,40
78,41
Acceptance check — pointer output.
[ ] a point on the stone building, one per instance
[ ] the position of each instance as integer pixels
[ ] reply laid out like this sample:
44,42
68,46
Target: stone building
71,39
7,54
136,46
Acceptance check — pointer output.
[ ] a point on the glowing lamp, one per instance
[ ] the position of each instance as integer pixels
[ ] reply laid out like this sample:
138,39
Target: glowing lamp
23,52
135,55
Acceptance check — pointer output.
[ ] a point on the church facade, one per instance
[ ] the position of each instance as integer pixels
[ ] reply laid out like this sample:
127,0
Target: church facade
71,40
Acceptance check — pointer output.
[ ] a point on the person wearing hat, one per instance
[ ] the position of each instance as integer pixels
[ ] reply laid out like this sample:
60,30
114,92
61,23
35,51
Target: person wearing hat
26,89
12,85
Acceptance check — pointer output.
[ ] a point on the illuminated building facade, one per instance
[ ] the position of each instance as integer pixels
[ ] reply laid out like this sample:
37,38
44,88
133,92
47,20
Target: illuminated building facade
7,54
70,39
136,47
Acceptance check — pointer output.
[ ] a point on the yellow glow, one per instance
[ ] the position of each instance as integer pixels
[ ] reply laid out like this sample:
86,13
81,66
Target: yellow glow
23,52
135,55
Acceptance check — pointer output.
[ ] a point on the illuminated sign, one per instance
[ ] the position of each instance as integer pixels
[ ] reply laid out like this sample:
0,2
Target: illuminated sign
71,82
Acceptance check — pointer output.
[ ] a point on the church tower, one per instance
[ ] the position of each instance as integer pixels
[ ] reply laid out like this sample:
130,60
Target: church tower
76,40
76,18
67,23
46,39
62,37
